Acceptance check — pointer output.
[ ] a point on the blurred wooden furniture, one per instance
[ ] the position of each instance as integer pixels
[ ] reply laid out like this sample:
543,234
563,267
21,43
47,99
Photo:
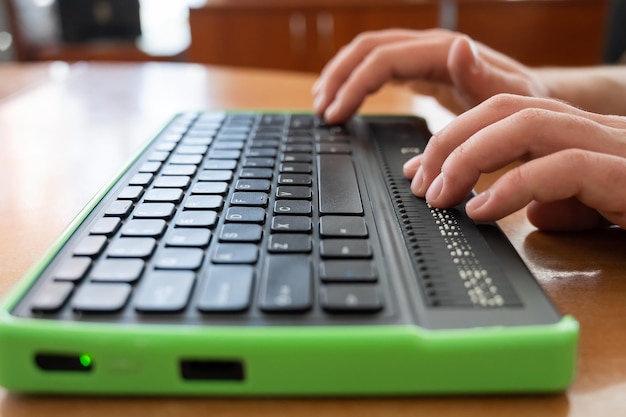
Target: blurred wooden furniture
538,32
304,34
297,35
67,129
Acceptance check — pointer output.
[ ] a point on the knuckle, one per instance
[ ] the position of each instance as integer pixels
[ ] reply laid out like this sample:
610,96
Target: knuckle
502,101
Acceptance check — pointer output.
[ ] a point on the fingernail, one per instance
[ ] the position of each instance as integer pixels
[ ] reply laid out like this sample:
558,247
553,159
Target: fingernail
412,165
435,188
417,184
331,110
316,86
477,202
476,58
319,101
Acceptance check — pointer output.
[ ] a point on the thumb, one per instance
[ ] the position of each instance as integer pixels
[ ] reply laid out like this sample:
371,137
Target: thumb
475,78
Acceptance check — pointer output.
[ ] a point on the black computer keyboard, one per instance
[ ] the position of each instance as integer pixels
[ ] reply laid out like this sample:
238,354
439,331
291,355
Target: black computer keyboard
246,218
274,254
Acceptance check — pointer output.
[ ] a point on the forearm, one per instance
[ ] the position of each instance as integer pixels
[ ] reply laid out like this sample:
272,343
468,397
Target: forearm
596,89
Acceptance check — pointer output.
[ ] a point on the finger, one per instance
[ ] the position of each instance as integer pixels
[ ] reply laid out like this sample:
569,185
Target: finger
480,75
564,215
397,61
339,68
505,128
528,134
594,179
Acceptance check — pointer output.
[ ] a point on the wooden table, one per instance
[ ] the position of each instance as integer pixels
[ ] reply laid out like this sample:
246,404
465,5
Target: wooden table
65,130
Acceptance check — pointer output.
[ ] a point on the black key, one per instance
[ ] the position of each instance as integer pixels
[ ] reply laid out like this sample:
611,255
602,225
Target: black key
164,291
296,167
263,173
198,218
286,284
346,226
119,208
246,214
182,236
125,270
72,269
144,228
162,195
106,226
216,187
262,152
294,192
131,247
158,156
101,297
204,202
131,192
185,159
154,210
347,271
166,146
241,232
345,248
90,246
172,181
348,298
292,207
291,224
151,167
141,179
227,289
189,170
228,164
236,253
295,179
51,296
192,149
290,243
252,185
333,148
224,154
228,145
259,162
179,258
249,199
296,157
338,187
215,175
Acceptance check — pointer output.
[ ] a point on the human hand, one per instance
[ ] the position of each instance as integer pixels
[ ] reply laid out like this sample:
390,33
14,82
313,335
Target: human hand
458,72
573,170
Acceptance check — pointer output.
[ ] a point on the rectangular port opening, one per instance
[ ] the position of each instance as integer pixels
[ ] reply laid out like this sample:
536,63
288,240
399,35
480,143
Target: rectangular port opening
64,362
212,370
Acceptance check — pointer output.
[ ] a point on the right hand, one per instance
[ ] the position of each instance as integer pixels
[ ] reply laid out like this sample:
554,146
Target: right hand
459,72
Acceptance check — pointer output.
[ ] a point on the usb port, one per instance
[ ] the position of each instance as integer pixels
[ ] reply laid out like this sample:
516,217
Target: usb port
208,370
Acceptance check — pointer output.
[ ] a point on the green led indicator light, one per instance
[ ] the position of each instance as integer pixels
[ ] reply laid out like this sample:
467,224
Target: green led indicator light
85,360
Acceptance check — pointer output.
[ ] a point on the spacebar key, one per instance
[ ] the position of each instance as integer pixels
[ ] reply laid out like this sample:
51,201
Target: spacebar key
338,187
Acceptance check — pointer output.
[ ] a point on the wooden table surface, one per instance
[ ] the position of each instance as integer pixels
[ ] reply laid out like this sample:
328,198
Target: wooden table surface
66,130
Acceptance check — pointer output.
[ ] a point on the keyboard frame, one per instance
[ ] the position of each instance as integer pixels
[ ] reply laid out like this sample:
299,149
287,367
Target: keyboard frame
379,355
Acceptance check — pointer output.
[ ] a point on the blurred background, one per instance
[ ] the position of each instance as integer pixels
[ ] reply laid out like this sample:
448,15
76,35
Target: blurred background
299,35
